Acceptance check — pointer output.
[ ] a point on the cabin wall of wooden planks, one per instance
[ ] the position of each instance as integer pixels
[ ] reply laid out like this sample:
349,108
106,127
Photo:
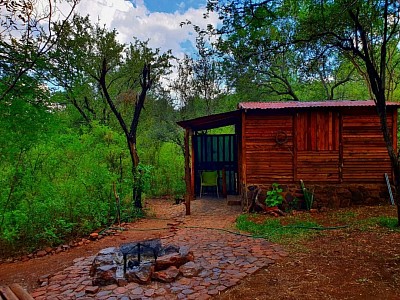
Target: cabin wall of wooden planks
341,145
268,143
365,157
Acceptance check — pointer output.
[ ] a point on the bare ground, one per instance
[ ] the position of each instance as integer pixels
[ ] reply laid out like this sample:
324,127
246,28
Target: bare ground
358,262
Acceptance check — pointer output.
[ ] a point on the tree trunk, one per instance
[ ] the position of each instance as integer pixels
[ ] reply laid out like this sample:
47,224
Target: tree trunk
130,133
397,192
136,176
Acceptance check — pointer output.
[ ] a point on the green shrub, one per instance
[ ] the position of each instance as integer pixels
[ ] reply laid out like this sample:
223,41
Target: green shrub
62,188
308,196
274,196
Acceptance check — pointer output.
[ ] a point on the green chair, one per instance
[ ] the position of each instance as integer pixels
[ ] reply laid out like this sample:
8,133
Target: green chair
208,178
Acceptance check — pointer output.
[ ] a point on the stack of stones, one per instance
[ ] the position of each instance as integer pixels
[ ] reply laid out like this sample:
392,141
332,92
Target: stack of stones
164,264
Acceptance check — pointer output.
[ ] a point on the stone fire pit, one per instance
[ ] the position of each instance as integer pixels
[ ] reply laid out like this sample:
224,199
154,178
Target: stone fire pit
141,262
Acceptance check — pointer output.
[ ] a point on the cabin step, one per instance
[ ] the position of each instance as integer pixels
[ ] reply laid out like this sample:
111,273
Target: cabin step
234,202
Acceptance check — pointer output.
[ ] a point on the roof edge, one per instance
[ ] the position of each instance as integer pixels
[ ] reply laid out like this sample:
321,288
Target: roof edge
310,104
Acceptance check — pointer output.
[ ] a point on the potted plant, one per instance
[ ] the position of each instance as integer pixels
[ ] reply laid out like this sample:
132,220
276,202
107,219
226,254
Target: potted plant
274,197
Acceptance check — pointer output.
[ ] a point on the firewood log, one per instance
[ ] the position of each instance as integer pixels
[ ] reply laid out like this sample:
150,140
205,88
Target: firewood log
7,294
20,292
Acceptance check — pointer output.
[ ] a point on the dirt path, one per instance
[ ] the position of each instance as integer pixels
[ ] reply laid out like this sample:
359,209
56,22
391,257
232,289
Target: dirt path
205,213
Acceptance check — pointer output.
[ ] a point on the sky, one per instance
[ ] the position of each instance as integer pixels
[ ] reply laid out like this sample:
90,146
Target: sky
155,20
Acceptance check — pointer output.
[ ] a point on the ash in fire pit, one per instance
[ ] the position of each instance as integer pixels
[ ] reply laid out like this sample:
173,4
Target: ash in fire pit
140,262
138,252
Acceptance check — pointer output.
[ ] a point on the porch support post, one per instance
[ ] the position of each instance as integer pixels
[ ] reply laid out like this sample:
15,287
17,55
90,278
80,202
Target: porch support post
188,173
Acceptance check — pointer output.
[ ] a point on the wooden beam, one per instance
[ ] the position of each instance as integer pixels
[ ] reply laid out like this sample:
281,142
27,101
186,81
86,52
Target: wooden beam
394,135
192,166
295,125
243,150
340,146
188,174
7,294
20,292
224,189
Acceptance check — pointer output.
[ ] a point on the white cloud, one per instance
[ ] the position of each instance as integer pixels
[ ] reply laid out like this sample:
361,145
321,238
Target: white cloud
163,30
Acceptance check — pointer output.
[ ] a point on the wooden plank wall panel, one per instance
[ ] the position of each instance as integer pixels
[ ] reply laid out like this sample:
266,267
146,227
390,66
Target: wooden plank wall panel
266,160
318,130
365,158
318,146
318,166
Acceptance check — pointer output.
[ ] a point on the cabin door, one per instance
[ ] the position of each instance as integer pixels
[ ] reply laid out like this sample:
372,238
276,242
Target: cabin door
216,152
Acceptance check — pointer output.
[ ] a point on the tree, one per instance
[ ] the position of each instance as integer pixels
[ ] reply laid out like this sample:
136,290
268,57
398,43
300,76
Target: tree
255,42
119,74
27,34
207,77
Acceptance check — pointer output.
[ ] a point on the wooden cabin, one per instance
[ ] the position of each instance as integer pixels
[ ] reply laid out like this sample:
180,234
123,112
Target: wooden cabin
335,146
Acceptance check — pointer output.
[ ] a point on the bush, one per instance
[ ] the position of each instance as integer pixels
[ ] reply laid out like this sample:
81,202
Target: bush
62,188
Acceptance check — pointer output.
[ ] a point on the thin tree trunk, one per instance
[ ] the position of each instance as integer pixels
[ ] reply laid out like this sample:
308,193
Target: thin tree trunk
136,187
130,133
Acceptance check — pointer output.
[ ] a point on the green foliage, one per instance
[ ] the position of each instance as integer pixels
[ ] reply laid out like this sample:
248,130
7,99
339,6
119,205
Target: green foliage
308,196
168,169
274,196
62,187
292,205
274,231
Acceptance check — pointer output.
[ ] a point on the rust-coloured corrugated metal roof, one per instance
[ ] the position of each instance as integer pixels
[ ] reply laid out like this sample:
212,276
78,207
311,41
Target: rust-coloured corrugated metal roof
212,121
233,117
298,104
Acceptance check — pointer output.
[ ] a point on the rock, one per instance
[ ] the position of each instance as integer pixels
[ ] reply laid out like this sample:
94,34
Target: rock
121,282
44,278
92,289
140,274
190,269
167,275
105,275
173,224
41,253
106,251
65,247
48,249
174,259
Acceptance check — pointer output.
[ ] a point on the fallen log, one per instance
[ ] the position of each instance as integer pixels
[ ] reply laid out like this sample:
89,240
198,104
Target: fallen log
20,292
7,294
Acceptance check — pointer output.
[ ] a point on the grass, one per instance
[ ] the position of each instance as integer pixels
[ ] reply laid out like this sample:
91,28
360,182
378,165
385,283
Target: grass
345,216
382,221
291,230
273,230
